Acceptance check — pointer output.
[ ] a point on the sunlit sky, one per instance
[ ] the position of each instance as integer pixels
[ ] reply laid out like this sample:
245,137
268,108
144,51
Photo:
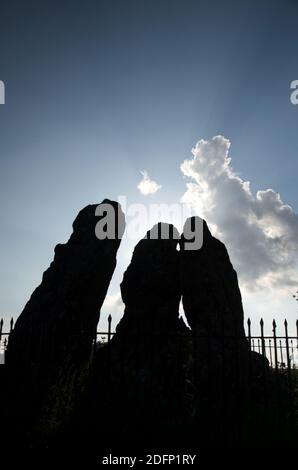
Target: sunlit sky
98,91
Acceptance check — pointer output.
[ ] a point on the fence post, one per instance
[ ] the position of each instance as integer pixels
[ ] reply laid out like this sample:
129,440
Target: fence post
291,407
287,347
281,354
249,332
292,351
275,345
262,337
278,426
249,344
1,328
265,394
109,327
270,352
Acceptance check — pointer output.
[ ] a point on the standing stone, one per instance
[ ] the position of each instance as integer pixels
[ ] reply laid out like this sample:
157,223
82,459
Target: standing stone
49,350
213,308
144,377
211,295
151,286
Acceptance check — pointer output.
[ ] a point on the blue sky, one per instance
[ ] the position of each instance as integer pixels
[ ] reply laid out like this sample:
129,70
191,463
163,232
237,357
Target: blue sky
98,90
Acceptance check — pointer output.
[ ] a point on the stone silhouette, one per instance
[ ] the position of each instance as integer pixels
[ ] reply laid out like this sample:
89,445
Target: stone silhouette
157,382
210,292
151,285
140,368
49,350
213,308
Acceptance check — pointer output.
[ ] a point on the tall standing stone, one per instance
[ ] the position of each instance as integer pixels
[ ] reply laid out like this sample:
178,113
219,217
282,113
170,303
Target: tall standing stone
210,291
49,350
151,286
213,307
145,379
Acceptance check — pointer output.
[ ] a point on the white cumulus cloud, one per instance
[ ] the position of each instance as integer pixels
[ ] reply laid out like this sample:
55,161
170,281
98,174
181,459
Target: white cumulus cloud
113,301
260,230
147,186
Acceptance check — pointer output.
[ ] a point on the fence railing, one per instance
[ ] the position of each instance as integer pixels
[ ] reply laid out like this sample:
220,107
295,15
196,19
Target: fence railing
280,350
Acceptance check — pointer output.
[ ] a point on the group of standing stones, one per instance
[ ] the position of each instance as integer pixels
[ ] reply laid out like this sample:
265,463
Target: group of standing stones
156,370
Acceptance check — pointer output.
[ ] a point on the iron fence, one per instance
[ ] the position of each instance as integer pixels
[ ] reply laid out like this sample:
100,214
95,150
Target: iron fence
264,411
281,351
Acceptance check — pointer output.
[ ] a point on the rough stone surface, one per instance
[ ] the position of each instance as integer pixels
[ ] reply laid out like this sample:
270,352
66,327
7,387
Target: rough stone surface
157,383
144,380
151,286
213,308
49,350
210,292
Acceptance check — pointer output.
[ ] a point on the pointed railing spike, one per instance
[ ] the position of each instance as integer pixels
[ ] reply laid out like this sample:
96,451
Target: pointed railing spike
249,333
109,327
1,328
275,345
287,348
262,338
